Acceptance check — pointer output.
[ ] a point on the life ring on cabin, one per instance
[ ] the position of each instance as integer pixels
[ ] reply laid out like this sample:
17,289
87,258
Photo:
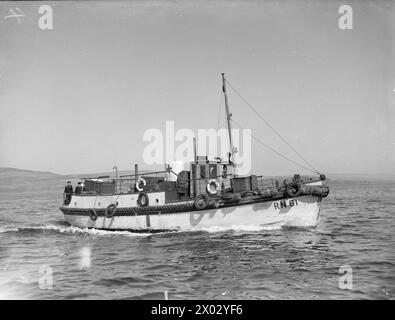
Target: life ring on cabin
140,181
143,199
110,210
213,183
293,190
201,201
93,214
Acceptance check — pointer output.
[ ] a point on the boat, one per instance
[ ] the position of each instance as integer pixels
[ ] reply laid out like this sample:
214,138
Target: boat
208,194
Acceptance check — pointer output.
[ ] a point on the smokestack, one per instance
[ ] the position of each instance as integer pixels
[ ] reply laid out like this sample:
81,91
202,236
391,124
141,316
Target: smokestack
194,150
136,171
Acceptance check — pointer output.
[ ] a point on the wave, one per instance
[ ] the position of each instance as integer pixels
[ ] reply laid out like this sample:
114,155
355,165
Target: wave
10,228
241,228
67,229
72,230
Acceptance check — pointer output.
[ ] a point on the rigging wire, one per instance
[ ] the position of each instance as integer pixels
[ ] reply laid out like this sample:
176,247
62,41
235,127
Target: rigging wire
219,109
274,130
273,150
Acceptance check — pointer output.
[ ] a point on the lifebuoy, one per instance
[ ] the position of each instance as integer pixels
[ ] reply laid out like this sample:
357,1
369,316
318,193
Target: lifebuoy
110,210
139,182
201,201
93,214
143,199
293,190
210,184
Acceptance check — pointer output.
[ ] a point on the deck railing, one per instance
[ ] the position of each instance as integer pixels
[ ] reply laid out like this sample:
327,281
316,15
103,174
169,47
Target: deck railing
127,183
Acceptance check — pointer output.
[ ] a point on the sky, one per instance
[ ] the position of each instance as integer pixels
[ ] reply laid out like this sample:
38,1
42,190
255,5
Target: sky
79,97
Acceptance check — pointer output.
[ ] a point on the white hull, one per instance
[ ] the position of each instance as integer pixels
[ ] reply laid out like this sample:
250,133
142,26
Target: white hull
302,211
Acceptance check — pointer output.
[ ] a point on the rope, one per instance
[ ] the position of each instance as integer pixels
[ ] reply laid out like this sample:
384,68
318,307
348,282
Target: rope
274,130
273,150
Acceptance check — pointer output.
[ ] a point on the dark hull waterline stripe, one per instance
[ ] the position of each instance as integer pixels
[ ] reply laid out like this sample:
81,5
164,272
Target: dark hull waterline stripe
169,209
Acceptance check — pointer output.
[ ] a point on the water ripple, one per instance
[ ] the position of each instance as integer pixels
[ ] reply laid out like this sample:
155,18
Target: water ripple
243,262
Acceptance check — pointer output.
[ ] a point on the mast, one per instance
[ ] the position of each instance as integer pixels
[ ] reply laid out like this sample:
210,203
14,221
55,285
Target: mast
228,118
116,171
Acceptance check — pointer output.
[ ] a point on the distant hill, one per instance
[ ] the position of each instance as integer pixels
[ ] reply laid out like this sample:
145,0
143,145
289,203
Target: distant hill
15,173
20,181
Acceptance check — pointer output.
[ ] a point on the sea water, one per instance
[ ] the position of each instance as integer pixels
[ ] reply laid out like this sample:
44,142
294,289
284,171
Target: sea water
349,255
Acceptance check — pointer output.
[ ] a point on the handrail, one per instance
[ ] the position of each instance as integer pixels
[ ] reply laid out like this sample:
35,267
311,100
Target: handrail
147,173
209,178
125,186
90,178
190,179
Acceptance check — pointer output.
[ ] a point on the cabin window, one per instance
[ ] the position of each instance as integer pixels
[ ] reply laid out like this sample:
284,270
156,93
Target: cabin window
224,172
213,171
203,171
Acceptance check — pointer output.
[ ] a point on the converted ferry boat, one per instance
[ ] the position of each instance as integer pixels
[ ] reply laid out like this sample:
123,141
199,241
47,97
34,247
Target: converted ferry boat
208,194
